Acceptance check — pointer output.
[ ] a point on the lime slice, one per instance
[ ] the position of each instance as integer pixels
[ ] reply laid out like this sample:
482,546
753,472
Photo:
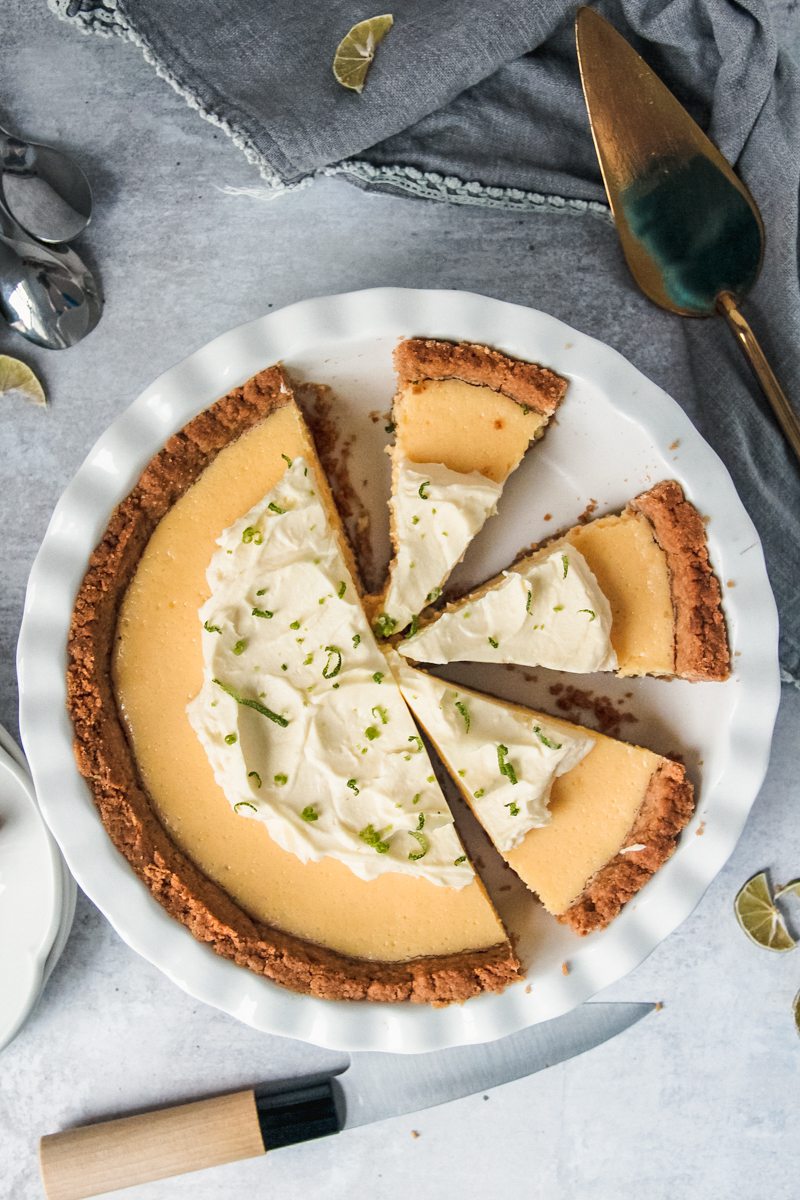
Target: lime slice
16,377
356,50
759,917
789,889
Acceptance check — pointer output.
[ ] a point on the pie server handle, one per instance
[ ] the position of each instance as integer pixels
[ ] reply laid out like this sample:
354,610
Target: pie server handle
93,1159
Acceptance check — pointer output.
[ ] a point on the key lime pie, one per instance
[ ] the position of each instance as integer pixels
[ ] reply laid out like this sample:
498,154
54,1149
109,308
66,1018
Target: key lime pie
584,820
632,593
256,763
253,751
464,416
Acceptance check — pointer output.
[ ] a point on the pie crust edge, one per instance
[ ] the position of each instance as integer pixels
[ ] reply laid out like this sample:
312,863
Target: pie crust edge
528,383
665,810
701,638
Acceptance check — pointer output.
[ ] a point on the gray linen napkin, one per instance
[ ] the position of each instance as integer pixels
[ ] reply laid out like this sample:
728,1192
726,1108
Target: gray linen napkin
479,102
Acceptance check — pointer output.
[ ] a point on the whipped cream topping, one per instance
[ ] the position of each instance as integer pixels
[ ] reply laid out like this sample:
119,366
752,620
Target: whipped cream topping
303,725
436,513
505,759
549,613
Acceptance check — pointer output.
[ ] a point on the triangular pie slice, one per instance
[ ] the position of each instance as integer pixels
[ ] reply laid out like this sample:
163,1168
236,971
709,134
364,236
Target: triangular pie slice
584,820
192,817
632,592
464,415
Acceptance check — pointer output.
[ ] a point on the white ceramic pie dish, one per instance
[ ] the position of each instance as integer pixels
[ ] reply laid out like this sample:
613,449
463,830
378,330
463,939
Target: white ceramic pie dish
616,434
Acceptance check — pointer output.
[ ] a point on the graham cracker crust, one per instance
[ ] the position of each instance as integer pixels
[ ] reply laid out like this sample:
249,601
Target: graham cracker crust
701,639
530,384
664,812
106,761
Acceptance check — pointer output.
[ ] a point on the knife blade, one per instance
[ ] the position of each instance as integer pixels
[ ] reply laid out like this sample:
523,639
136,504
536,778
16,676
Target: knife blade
99,1158
420,1081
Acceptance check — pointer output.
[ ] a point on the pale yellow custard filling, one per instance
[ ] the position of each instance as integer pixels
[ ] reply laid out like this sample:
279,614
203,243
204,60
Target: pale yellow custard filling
593,808
631,569
158,669
468,428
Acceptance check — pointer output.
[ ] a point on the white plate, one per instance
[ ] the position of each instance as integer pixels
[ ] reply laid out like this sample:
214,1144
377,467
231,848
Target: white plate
615,435
37,896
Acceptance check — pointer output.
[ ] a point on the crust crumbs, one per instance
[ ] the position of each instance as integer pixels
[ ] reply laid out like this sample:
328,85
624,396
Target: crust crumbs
665,810
588,512
530,384
608,716
105,759
701,639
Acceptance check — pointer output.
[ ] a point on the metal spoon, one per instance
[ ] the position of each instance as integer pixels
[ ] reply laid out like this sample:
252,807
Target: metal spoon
45,190
690,230
46,293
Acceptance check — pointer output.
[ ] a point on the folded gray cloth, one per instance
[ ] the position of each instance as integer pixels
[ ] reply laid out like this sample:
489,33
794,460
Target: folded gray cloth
479,102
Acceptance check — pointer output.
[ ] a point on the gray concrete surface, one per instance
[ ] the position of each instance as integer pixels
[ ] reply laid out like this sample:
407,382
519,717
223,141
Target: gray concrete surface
699,1100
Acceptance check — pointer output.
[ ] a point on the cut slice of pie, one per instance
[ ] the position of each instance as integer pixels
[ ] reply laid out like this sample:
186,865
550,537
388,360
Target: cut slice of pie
633,592
146,674
464,415
584,820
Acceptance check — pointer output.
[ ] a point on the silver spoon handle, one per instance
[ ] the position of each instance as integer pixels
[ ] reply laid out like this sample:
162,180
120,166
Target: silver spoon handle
750,347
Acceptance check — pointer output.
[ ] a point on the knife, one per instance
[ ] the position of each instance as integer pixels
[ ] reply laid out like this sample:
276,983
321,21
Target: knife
691,232
170,1141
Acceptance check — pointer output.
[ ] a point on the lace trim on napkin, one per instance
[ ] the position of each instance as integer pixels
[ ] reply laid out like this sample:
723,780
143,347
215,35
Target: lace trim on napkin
398,179
430,185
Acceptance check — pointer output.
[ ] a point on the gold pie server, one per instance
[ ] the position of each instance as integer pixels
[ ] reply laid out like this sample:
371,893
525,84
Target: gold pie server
691,232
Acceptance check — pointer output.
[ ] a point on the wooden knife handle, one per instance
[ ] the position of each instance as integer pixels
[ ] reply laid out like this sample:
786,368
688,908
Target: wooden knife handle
155,1145
173,1141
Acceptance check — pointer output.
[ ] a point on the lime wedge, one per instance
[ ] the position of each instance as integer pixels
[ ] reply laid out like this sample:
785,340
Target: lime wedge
356,50
789,889
759,918
16,377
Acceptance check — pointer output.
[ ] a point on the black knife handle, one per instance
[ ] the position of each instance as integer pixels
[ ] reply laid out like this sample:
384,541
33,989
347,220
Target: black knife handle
299,1115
